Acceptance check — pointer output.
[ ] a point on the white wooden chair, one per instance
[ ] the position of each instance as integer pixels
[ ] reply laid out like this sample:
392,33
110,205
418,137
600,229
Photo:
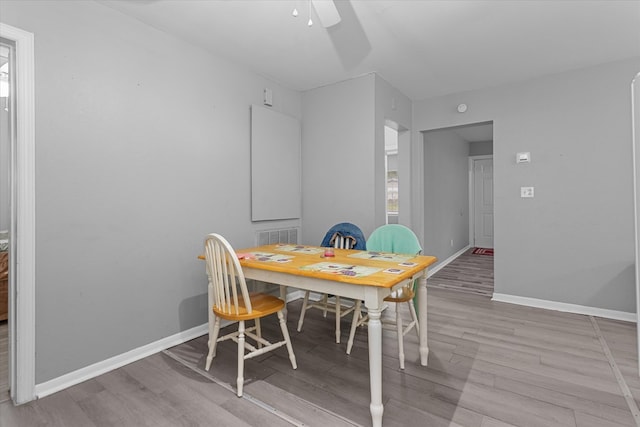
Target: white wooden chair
402,295
338,307
393,238
229,299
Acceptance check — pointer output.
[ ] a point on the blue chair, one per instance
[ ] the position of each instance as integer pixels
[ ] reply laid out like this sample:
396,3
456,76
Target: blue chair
341,236
398,239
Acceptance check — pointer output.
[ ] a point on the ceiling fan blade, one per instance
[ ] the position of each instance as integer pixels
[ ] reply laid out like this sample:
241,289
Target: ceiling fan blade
327,12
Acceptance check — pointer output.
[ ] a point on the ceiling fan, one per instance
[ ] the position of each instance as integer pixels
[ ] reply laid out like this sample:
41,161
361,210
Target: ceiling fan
326,11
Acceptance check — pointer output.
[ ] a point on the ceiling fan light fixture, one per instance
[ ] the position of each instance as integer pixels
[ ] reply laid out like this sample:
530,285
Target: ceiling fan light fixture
326,12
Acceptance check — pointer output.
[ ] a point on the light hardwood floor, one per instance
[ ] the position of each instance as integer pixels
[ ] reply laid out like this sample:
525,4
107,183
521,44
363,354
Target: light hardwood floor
491,364
467,273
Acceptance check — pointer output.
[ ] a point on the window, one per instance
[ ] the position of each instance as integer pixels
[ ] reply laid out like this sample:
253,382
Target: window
391,173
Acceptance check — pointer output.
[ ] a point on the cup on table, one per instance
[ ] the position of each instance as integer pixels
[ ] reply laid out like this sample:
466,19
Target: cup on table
328,252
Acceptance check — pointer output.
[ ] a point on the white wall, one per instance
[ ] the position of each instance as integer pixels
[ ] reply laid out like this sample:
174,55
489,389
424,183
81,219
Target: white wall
142,147
573,242
446,189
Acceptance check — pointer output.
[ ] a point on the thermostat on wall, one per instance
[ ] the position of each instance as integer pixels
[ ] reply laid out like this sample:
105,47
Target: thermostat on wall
523,157
268,97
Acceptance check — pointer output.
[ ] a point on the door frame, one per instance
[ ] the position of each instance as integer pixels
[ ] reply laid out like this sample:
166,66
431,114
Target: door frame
472,207
22,221
635,150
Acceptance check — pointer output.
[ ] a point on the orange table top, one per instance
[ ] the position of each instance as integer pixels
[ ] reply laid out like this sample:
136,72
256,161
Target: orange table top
348,266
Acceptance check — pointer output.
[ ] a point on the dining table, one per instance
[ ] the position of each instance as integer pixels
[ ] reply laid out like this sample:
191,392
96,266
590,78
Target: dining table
367,276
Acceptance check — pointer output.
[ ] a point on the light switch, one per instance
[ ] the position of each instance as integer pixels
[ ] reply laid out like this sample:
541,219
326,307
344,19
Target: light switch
526,192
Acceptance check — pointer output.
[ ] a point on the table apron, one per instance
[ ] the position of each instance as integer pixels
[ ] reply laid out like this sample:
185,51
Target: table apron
371,295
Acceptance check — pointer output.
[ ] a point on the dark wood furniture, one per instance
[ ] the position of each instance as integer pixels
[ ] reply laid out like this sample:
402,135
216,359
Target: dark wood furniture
4,285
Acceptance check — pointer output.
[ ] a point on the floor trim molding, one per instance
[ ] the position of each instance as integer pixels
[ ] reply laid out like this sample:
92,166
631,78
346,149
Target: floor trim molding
99,368
624,388
92,371
449,260
569,308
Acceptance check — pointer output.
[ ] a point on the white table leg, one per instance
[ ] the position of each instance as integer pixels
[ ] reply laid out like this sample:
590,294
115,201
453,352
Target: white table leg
375,365
422,319
283,297
338,318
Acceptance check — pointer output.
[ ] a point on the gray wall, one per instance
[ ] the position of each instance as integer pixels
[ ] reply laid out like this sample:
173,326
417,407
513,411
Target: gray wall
338,157
481,148
343,175
142,147
446,192
573,242
392,106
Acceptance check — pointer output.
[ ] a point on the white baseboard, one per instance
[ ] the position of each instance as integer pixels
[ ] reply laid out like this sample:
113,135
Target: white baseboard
92,371
444,263
297,294
568,308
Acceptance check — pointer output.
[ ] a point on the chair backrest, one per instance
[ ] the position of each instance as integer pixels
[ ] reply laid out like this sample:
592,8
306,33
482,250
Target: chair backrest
344,235
226,277
343,242
394,238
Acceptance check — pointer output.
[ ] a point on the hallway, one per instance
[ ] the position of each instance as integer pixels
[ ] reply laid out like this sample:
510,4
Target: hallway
468,273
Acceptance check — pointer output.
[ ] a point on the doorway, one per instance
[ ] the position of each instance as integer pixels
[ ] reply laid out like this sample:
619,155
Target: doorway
635,149
7,52
21,262
458,173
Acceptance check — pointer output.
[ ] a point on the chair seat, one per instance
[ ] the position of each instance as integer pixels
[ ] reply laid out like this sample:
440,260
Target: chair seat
261,304
403,294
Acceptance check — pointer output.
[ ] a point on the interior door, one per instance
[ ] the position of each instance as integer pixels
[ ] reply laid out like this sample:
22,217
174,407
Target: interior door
483,202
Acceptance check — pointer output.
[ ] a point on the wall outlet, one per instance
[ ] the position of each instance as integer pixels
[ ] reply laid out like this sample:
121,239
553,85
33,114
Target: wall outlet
526,192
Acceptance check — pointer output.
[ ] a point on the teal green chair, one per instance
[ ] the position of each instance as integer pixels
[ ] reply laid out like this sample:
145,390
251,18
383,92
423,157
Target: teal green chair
398,239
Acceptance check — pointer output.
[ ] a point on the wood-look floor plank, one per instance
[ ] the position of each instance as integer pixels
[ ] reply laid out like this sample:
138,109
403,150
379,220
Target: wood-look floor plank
467,273
554,383
492,422
29,414
587,420
296,406
491,364
399,414
536,346
61,411
507,406
579,404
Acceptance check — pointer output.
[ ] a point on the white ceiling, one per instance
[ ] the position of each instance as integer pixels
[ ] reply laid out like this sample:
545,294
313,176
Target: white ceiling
424,48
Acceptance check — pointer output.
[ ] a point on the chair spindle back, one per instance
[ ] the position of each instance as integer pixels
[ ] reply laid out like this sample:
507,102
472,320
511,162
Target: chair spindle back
226,279
343,242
